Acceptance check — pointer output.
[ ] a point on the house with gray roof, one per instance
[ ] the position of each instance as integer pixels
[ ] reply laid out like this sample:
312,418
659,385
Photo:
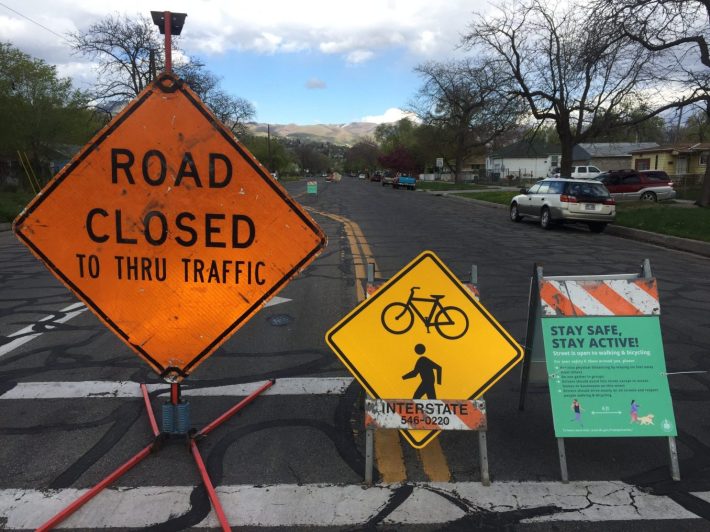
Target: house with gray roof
608,155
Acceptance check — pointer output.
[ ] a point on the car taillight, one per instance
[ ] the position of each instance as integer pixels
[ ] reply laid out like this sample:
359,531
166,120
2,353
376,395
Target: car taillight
609,201
568,199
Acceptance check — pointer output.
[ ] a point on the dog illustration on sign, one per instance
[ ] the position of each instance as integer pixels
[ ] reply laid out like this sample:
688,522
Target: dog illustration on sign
641,420
646,420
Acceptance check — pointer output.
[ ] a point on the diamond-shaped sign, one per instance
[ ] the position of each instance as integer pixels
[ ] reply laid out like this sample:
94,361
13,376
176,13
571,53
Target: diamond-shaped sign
423,335
169,229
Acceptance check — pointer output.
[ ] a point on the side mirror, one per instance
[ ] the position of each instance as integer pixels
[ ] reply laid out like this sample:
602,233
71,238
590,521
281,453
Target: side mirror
523,190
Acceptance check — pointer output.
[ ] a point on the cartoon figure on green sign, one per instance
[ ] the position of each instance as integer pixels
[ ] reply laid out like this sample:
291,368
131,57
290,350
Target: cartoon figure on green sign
577,409
634,411
427,370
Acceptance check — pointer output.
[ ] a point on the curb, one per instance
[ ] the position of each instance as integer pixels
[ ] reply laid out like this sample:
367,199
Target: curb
695,247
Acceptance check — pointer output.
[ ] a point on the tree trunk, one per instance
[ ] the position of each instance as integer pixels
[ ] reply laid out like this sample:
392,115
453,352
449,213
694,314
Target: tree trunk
566,146
704,199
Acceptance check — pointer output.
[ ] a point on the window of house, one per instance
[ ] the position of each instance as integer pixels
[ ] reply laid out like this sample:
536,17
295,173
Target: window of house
704,158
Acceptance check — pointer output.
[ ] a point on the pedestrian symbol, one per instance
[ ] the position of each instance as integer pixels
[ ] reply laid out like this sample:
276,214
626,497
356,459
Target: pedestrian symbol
425,369
423,335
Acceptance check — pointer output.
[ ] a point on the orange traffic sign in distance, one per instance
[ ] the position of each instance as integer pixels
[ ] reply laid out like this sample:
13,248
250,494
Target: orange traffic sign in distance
423,335
169,230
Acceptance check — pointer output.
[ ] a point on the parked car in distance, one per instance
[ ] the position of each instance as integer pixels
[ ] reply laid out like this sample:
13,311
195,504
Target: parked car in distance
643,185
361,176
404,181
581,172
376,176
387,178
564,200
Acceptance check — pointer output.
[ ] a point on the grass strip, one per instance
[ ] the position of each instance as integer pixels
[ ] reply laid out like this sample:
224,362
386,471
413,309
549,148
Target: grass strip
667,218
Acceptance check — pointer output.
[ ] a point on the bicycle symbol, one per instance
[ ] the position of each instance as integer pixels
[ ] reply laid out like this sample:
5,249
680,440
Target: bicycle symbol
450,322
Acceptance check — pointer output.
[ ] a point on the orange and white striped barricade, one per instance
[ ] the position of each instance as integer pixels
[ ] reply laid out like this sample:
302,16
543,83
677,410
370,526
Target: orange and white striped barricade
595,342
428,414
425,414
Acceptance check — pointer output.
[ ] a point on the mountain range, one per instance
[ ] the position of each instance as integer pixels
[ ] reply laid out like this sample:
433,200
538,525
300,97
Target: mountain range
342,134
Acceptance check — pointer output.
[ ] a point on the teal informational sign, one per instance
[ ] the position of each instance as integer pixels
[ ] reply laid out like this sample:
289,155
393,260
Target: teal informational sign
607,377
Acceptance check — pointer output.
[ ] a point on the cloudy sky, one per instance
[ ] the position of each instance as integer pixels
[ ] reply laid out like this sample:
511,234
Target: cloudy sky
305,61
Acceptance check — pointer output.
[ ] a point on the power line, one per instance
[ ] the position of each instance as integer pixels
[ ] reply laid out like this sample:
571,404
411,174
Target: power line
35,22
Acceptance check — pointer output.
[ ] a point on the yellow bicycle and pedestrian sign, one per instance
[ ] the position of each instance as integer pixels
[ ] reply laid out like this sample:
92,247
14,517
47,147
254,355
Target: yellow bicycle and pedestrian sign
424,335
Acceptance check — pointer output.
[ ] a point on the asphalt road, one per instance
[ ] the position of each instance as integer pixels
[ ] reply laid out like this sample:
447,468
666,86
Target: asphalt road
309,439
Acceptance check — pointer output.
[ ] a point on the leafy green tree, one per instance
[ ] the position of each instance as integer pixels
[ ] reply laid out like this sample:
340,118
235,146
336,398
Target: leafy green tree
39,111
362,156
277,158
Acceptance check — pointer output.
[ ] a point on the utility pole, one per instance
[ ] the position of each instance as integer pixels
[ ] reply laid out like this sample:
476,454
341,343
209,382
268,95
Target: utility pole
268,143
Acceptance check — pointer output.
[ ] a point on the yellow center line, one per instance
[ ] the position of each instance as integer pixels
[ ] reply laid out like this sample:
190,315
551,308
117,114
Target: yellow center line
388,450
389,457
434,462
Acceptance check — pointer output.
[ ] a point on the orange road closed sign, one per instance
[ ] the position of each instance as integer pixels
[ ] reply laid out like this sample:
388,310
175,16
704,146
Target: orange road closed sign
169,230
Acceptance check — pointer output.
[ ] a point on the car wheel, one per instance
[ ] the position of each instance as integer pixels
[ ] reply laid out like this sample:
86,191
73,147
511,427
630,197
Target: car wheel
648,196
597,227
545,218
514,216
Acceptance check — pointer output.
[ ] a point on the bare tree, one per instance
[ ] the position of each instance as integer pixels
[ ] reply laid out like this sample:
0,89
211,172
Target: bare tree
678,33
124,49
469,102
129,51
570,68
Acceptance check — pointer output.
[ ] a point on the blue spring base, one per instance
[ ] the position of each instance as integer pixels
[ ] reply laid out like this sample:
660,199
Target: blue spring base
176,418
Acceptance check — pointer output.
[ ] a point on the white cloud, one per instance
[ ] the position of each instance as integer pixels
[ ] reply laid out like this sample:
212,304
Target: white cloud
359,56
393,114
356,30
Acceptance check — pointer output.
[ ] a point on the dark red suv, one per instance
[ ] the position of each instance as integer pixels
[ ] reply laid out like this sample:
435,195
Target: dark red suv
644,185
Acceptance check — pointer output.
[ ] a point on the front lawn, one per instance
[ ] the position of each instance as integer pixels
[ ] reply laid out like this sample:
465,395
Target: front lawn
668,218
12,203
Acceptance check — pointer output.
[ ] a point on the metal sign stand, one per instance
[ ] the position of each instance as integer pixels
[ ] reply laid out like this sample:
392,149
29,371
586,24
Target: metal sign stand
533,346
371,427
171,428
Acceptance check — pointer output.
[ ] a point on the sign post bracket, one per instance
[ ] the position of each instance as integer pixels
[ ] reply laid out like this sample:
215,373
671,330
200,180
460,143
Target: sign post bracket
673,451
483,457
563,460
369,454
